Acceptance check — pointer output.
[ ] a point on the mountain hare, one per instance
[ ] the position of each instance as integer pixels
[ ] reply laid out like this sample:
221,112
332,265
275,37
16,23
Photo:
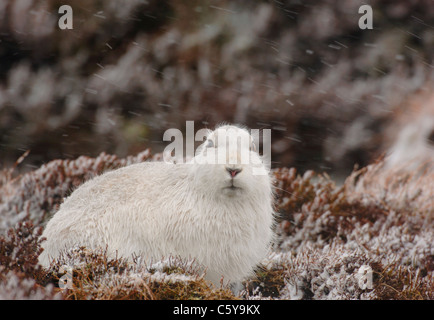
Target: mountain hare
221,214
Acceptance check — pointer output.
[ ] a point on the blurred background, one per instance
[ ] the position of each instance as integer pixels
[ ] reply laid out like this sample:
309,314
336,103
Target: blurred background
334,95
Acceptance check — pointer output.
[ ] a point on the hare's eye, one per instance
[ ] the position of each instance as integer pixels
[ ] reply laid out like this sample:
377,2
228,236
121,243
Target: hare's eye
209,144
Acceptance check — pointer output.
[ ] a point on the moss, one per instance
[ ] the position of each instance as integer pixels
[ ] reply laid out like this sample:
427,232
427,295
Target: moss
267,282
397,282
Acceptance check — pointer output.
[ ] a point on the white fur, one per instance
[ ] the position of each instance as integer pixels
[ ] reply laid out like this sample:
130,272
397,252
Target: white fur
156,209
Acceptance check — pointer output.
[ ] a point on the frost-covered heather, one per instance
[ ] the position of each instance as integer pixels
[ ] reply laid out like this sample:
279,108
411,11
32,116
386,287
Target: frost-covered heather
381,217
16,287
325,234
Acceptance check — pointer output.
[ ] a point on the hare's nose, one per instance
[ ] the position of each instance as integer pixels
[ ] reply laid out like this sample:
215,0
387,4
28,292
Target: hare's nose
233,172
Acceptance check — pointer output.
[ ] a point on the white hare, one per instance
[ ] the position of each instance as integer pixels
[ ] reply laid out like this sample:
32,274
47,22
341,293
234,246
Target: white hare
219,214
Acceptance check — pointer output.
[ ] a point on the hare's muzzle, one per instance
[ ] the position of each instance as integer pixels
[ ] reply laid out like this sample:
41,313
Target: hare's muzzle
233,171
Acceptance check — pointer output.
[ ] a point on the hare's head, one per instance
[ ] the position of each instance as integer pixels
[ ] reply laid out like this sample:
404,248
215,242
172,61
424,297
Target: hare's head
229,164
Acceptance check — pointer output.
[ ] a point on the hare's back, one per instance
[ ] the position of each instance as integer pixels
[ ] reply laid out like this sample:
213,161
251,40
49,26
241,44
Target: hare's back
121,187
